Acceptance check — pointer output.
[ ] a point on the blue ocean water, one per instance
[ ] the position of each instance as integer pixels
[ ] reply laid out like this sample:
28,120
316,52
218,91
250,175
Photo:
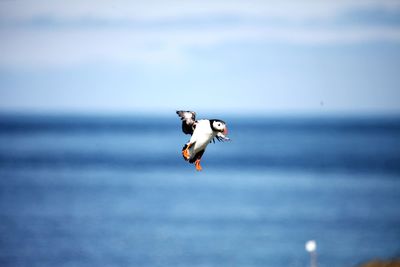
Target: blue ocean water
115,191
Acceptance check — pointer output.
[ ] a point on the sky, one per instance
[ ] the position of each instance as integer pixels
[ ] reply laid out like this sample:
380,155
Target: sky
240,57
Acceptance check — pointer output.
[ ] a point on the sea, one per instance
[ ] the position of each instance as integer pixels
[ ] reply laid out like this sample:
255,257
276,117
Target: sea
114,190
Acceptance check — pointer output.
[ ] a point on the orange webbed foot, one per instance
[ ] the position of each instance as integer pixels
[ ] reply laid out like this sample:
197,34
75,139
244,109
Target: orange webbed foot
185,152
198,167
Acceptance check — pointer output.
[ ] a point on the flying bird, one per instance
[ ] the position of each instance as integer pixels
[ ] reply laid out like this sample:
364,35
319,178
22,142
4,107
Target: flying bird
203,132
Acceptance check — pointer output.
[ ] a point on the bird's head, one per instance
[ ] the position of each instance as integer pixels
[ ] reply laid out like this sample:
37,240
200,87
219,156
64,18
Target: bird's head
219,126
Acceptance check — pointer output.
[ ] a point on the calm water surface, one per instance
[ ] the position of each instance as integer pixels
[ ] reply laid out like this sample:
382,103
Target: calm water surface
115,191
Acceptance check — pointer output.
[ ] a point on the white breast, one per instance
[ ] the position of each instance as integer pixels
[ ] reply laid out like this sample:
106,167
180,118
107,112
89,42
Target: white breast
202,135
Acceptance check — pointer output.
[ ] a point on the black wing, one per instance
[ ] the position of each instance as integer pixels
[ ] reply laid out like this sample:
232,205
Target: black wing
188,120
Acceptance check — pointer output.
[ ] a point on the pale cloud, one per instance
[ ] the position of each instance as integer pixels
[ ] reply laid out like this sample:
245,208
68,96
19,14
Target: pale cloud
256,22
155,10
69,47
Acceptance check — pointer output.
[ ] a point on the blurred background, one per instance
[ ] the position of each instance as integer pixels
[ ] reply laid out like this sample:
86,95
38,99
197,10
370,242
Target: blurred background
91,172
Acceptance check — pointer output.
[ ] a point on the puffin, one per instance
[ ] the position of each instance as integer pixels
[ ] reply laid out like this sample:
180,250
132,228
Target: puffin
202,133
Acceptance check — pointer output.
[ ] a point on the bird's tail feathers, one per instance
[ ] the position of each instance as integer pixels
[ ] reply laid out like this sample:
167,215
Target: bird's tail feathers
197,156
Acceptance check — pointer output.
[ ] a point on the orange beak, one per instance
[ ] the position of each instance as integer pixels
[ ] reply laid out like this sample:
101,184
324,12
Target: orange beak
225,132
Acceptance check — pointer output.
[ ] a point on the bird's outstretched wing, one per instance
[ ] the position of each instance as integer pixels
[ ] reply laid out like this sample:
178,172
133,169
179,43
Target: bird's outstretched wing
188,120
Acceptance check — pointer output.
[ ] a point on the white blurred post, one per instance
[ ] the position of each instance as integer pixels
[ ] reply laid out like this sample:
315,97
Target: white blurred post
311,247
